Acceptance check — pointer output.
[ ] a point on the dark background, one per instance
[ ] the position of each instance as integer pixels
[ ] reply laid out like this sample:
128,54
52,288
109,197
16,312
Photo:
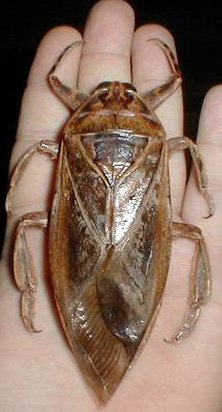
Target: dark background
197,30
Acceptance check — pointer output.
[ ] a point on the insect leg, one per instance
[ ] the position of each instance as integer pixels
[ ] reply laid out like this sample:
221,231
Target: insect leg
156,96
45,146
200,279
72,98
182,143
24,269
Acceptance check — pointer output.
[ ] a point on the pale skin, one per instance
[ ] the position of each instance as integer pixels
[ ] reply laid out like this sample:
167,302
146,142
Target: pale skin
38,372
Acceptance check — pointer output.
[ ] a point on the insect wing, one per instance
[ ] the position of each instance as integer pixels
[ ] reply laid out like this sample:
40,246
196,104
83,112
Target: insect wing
106,296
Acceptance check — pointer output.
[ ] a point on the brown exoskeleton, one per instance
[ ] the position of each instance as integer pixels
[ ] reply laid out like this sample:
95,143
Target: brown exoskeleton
110,227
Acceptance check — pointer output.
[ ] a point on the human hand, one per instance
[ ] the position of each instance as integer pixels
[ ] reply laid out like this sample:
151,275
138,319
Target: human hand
38,371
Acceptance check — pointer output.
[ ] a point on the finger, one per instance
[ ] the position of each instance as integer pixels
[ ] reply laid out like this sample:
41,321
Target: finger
108,36
150,68
42,117
42,112
209,141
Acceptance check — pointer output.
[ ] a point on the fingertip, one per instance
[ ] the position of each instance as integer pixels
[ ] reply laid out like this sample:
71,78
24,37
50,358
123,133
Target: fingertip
150,66
107,7
107,44
50,47
154,30
107,25
210,125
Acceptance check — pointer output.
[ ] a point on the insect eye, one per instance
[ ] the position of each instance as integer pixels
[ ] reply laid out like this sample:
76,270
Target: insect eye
130,87
103,85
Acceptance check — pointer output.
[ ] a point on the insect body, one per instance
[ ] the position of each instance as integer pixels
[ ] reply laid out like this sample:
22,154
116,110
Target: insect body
110,227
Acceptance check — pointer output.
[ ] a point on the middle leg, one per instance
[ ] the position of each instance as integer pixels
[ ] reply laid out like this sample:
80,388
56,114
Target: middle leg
182,143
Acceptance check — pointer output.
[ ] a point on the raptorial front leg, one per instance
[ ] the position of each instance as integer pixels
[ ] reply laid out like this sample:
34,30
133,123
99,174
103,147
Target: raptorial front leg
200,279
45,146
156,96
24,268
182,143
72,98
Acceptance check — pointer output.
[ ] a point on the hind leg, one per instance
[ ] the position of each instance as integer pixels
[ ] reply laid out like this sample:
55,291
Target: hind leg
24,269
200,279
